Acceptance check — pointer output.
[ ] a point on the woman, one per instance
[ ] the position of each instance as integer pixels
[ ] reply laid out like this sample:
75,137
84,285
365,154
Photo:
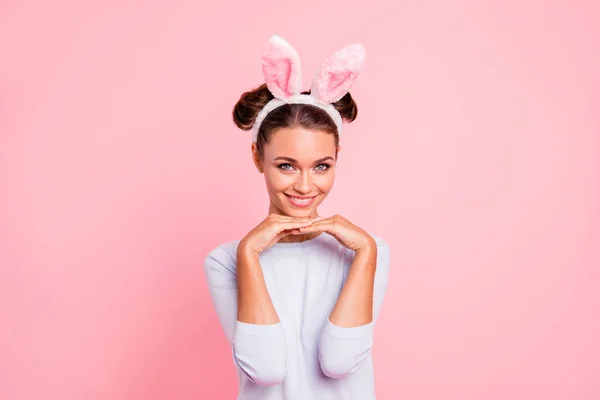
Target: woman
298,296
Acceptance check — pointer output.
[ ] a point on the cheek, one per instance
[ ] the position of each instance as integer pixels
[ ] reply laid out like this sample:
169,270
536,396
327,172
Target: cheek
277,182
325,183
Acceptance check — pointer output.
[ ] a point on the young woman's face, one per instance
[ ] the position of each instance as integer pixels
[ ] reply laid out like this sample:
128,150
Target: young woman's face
299,167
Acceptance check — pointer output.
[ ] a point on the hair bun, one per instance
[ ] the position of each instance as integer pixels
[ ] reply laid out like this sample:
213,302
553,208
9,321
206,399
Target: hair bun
347,108
249,105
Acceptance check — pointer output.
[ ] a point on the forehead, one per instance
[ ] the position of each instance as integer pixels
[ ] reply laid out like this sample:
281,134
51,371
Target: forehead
301,144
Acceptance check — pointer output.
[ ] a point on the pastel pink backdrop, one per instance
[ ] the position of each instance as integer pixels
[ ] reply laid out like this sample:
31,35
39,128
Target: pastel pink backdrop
476,155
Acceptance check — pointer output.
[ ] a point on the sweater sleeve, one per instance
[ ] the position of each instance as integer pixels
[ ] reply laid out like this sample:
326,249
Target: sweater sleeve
341,349
259,351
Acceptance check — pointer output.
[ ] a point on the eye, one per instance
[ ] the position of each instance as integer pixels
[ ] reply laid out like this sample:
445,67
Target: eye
325,167
285,166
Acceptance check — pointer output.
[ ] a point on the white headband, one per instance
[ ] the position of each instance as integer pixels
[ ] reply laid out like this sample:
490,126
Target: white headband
282,72
297,99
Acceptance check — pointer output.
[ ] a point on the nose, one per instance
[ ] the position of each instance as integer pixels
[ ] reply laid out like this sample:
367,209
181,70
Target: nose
303,183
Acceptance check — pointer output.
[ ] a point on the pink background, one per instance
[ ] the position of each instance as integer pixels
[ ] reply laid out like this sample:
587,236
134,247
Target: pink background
476,155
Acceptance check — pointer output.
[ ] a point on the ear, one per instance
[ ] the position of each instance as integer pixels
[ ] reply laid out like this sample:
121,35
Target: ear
256,158
281,68
337,74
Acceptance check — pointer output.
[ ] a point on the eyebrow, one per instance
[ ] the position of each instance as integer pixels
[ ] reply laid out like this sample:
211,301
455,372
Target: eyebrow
320,160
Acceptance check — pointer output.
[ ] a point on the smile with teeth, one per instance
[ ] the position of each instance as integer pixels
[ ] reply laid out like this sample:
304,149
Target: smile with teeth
298,202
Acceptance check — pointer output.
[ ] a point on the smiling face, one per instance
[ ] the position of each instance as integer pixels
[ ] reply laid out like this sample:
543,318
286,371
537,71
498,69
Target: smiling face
299,167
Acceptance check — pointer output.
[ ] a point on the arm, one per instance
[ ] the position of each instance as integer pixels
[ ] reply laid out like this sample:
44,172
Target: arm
347,338
247,315
354,306
254,303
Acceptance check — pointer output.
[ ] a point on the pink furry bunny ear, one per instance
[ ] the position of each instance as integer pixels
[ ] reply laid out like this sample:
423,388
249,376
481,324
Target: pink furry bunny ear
338,73
281,68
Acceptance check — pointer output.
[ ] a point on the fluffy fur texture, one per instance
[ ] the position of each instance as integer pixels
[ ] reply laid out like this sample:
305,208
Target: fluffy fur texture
281,68
338,73
282,73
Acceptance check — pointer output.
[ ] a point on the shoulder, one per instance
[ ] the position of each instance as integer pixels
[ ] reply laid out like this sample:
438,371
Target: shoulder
222,256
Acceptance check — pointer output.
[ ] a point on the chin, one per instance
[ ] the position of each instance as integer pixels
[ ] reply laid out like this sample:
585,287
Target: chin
302,214
292,212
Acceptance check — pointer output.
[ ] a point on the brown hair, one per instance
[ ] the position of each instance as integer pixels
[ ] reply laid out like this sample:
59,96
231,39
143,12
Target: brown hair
288,115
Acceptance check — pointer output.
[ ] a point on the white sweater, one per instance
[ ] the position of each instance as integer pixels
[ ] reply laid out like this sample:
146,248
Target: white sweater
304,356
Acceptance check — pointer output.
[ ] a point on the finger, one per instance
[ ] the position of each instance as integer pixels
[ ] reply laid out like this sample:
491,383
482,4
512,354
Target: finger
281,234
291,232
318,226
312,219
324,222
292,225
285,218
323,219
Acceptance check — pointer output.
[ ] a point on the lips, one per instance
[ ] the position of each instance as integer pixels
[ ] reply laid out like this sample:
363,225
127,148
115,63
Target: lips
301,201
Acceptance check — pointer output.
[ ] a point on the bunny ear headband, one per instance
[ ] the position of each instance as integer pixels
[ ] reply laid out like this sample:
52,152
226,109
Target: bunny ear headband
281,69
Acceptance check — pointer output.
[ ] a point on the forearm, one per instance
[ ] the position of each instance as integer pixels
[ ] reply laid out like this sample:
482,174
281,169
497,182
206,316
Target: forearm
254,303
354,306
259,342
347,337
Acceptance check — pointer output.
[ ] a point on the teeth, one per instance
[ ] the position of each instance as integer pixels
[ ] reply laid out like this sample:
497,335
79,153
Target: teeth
304,201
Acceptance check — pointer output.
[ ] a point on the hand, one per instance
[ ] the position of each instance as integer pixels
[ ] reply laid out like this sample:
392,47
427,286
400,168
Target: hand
346,233
271,230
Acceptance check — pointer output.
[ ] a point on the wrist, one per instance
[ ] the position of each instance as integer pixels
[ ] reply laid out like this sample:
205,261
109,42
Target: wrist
244,250
365,260
370,247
